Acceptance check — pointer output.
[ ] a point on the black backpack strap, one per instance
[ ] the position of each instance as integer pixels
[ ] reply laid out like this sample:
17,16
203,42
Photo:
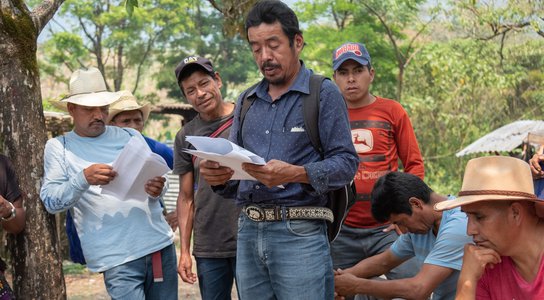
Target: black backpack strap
310,110
246,104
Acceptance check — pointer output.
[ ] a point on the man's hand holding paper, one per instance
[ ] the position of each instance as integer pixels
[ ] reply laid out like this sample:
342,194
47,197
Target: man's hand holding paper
138,171
226,154
98,174
154,186
214,173
276,173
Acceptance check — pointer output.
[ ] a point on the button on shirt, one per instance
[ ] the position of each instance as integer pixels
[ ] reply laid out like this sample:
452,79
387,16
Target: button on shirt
274,129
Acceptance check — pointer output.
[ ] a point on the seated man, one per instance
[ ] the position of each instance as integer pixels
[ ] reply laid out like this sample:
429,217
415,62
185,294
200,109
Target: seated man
505,261
435,239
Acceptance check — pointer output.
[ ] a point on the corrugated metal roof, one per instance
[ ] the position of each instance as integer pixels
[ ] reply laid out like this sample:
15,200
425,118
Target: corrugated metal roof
505,138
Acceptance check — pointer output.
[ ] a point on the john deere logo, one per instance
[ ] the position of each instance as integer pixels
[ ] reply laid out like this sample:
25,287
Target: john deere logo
362,140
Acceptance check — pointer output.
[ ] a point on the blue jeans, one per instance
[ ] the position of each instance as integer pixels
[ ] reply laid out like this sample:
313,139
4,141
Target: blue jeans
283,260
215,277
134,280
355,244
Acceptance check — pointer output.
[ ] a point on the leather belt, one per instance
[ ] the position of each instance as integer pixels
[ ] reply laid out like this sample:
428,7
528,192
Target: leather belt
280,213
362,197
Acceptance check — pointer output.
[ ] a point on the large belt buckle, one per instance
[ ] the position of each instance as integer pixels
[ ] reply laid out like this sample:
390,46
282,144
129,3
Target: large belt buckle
255,213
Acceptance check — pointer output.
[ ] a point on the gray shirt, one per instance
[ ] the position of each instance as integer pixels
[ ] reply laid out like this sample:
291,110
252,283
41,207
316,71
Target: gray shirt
215,221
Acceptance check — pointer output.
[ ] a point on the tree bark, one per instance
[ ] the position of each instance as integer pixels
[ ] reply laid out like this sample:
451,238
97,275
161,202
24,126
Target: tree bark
36,263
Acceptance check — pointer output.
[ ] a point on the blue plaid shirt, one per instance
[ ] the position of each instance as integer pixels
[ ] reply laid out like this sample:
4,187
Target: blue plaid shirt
275,130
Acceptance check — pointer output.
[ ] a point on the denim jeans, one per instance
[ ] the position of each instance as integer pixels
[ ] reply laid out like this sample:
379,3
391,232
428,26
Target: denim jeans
215,277
283,260
355,244
134,280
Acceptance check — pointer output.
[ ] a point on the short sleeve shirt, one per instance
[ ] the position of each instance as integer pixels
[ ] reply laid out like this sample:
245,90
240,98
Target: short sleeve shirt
215,220
445,249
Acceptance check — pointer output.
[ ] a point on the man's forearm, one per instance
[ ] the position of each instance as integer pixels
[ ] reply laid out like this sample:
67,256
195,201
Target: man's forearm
59,197
185,217
375,266
387,289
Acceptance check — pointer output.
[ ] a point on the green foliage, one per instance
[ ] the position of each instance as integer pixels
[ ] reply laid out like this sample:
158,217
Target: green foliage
381,25
113,41
231,56
458,92
130,5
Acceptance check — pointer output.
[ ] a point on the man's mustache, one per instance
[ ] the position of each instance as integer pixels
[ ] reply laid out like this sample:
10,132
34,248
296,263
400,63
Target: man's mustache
268,64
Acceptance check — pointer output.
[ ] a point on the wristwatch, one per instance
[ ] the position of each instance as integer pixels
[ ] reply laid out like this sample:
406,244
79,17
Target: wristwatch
12,215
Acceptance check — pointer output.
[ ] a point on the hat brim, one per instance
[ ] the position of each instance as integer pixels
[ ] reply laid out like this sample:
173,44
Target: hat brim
145,109
89,99
464,200
337,65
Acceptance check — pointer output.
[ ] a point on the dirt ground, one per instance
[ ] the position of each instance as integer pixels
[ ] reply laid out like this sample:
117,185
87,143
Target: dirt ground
90,286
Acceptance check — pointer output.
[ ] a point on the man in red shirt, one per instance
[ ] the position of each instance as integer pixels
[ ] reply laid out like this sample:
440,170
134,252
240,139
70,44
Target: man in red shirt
505,261
382,133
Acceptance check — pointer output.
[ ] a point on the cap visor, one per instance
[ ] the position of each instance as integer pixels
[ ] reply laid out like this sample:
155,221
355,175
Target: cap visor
337,65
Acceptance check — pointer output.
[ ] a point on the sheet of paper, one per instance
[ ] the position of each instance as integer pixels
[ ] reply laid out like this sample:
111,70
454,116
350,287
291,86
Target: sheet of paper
135,165
225,153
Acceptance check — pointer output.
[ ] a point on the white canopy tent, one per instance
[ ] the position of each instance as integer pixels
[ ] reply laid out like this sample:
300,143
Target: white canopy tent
507,137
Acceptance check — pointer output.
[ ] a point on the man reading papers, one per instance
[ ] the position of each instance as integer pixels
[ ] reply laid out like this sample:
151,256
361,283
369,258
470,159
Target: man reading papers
120,237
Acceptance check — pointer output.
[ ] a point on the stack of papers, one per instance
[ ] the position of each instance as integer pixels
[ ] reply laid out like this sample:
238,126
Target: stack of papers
135,165
225,153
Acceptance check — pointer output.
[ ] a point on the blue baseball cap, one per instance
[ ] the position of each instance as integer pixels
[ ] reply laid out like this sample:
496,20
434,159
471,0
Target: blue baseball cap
349,50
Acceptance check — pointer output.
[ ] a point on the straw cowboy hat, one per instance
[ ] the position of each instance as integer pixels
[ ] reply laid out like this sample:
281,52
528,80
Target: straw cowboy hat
494,178
88,88
128,102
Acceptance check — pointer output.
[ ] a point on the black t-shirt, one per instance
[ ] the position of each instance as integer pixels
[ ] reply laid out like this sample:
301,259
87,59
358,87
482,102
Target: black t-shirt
215,223
9,186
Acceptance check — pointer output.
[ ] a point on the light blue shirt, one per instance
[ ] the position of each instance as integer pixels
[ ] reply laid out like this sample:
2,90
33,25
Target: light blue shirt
112,231
274,129
445,249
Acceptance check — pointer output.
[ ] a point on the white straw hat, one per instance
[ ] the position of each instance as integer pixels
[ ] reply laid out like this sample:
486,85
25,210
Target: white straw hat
88,88
128,102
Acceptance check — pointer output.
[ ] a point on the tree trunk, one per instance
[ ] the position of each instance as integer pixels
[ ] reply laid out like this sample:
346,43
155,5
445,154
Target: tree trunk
36,263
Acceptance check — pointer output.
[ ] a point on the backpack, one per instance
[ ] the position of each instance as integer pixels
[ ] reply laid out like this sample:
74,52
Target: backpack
340,200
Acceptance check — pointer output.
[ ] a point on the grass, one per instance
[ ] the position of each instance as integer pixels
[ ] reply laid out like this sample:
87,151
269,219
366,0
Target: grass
71,268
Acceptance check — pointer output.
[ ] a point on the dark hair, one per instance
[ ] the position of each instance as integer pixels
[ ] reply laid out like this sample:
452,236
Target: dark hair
392,191
270,11
189,70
